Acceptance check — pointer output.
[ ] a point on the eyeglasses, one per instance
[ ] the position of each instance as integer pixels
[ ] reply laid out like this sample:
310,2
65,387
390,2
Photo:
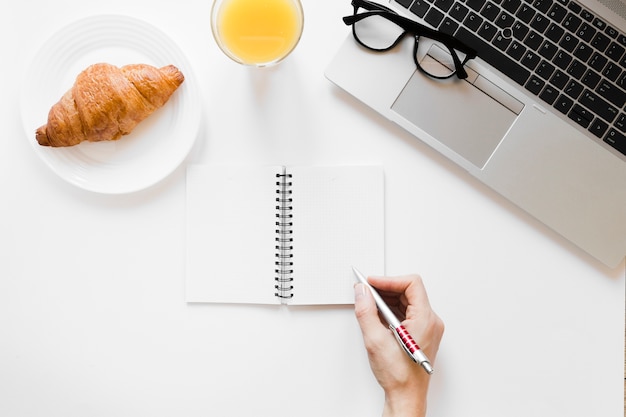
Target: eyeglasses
380,29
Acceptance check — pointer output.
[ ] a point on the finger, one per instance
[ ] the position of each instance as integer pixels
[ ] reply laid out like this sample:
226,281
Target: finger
409,289
374,331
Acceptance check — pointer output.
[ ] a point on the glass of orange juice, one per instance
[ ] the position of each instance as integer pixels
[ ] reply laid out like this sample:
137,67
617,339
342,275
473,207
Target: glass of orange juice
257,32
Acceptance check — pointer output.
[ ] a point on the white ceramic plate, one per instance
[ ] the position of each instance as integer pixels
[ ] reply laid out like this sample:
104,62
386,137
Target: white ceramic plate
155,148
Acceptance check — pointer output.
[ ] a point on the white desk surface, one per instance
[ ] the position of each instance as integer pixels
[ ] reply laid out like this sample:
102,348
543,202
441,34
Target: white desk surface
92,314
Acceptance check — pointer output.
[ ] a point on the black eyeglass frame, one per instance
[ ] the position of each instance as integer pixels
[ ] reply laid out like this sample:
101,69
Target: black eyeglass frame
417,30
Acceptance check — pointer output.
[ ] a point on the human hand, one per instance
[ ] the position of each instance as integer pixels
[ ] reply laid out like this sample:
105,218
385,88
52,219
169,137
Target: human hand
404,382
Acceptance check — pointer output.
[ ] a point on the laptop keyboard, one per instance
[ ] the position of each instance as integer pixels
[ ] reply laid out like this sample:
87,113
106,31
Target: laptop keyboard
556,49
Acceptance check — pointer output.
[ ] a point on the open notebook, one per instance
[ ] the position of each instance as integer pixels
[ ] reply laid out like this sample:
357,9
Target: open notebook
274,234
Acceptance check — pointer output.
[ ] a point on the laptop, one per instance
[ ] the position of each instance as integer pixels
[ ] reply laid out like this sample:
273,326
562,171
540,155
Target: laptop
547,134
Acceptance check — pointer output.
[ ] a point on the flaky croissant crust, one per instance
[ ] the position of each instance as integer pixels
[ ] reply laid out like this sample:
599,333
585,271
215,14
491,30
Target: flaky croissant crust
107,102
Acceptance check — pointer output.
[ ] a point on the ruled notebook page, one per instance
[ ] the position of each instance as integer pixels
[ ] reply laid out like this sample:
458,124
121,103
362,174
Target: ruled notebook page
338,222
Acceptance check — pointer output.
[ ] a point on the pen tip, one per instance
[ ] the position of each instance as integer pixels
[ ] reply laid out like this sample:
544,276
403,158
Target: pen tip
429,369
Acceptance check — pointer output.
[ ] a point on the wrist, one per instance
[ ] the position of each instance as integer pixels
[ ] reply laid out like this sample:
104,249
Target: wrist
406,404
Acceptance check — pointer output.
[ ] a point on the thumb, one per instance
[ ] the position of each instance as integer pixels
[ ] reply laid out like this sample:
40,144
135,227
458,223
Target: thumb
367,314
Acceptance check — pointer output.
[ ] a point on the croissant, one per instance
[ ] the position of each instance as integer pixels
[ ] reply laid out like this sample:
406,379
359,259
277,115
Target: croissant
107,102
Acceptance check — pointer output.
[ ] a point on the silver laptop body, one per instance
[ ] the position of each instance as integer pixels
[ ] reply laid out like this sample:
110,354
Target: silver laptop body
502,134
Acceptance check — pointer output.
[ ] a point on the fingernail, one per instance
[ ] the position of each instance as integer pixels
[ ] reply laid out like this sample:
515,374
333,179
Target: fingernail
359,290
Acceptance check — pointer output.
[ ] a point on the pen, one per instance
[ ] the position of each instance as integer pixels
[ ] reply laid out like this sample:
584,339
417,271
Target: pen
402,335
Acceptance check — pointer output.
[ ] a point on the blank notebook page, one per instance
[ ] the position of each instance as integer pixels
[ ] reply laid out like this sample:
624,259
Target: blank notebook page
338,221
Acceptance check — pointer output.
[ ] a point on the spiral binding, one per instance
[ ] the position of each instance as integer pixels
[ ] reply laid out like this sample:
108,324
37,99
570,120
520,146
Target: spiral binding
284,237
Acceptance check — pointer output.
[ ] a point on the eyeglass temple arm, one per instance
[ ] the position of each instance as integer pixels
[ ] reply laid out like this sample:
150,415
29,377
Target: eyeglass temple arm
354,18
368,5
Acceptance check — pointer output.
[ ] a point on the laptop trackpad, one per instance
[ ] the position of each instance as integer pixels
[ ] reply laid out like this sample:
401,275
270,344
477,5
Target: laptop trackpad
457,114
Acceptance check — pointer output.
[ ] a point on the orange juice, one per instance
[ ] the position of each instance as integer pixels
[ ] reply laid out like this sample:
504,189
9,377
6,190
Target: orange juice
257,32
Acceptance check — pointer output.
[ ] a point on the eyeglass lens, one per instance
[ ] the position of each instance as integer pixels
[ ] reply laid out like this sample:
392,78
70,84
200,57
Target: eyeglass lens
380,34
377,33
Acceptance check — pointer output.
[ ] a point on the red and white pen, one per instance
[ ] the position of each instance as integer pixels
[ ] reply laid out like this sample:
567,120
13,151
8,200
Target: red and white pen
402,335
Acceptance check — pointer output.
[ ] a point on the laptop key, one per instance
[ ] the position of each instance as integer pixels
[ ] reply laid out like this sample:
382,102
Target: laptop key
554,33
581,116
563,104
549,94
575,7
487,31
525,13
448,26
612,71
475,4
559,79
600,24
419,8
615,52
611,93
620,123
548,50
598,128
533,40
557,13
612,32
583,52
516,51
576,69
568,42
572,22
433,17
562,60
573,89
404,3
616,140
539,23
504,20
600,41
473,21
490,11
545,70
519,30
511,5
587,15
591,79
586,32
534,85
494,57
530,60
458,12
599,106
542,5
598,62
444,4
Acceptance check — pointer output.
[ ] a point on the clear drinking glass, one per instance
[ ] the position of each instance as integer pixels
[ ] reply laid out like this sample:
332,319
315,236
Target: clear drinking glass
257,32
